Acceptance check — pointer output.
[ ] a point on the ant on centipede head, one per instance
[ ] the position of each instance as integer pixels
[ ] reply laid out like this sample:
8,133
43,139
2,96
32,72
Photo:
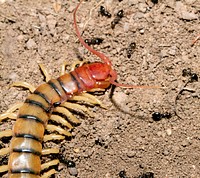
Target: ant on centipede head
103,71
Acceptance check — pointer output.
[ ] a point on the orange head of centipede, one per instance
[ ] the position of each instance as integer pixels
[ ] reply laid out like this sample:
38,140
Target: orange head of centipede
101,73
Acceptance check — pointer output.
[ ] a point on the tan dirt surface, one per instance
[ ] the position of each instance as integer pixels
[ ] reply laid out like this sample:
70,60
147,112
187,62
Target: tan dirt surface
124,136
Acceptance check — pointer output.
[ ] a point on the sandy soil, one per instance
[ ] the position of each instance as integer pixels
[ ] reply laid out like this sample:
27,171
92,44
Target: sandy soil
124,136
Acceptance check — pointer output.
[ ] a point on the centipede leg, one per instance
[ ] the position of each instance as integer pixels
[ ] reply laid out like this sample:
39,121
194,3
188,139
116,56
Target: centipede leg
53,137
61,120
6,133
75,106
50,127
4,168
48,151
45,72
68,114
26,85
10,112
47,165
50,163
49,173
88,98
4,151
77,63
63,67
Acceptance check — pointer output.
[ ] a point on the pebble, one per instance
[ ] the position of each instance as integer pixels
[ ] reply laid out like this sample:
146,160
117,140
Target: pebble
172,51
142,31
120,98
165,152
185,143
189,16
30,44
142,7
169,131
73,171
131,153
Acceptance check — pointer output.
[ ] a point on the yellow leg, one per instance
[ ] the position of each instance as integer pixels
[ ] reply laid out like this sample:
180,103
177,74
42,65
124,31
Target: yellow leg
50,151
4,168
6,133
77,62
58,129
61,120
49,173
50,163
24,85
75,106
53,137
68,114
4,151
14,107
88,98
7,115
63,67
45,72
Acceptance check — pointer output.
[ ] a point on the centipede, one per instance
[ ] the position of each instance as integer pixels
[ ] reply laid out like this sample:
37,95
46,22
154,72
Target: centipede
25,148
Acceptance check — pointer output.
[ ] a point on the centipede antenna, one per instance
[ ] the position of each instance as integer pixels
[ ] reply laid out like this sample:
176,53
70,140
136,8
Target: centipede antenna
99,54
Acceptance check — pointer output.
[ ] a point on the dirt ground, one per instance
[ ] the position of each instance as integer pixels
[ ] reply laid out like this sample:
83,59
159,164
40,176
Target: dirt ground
124,136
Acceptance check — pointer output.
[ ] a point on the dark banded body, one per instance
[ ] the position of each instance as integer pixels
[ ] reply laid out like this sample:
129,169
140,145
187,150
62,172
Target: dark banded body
28,130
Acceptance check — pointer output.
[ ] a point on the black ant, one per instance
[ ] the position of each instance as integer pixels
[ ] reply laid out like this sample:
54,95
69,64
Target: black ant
188,72
94,41
116,20
104,12
147,175
130,49
122,174
156,116
154,1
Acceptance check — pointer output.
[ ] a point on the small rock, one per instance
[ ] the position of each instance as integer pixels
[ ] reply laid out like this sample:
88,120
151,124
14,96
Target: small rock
131,153
189,16
51,22
30,44
169,131
142,31
73,171
172,51
165,152
163,53
185,143
142,7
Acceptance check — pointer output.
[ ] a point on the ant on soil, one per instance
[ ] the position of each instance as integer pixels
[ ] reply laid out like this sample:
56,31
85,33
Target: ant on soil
147,175
188,72
104,12
116,20
193,77
94,41
154,1
122,174
130,49
156,116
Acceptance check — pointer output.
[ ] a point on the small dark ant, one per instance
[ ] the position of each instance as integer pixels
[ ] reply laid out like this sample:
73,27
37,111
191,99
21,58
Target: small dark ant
116,20
147,175
130,49
94,41
156,116
188,72
122,174
104,12
154,1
